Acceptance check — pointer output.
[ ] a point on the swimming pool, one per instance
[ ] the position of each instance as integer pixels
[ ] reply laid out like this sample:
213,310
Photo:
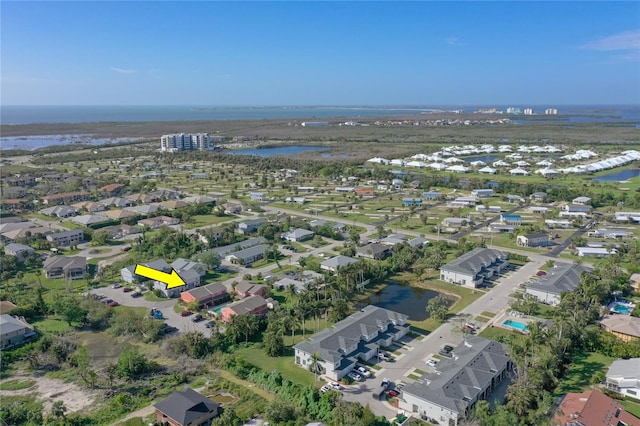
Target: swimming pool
622,309
515,324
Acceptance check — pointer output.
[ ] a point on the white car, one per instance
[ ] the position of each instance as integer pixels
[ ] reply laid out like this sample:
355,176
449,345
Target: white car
325,388
355,376
335,385
431,362
364,371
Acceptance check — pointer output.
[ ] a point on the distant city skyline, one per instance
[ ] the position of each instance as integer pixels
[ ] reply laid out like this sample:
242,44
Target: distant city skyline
519,54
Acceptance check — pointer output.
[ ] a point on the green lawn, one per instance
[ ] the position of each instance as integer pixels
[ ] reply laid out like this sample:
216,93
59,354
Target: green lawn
498,333
632,407
284,364
17,384
578,376
50,325
204,220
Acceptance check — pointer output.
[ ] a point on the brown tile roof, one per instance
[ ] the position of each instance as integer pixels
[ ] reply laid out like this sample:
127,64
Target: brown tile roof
625,324
110,188
6,306
592,408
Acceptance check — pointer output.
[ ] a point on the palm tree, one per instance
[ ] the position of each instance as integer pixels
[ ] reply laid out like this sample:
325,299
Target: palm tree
314,366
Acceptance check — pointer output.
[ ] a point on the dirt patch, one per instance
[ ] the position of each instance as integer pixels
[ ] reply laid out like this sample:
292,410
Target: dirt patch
49,390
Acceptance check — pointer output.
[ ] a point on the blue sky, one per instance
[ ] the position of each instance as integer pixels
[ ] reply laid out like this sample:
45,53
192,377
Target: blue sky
319,53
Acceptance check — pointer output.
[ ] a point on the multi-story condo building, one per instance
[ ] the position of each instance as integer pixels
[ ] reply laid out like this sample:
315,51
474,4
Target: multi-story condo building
185,142
551,111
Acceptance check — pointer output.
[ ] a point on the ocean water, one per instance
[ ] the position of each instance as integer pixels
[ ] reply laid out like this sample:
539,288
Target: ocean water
12,114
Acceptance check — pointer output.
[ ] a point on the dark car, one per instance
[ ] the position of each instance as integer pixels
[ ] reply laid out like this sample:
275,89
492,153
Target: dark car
210,324
126,289
197,318
113,304
136,294
185,313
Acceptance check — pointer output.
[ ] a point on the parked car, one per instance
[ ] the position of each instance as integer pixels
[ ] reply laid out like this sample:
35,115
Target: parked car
210,324
325,388
127,289
385,383
115,285
541,273
363,371
100,296
335,385
384,356
431,362
185,313
394,393
446,351
197,318
136,294
470,328
113,304
355,376
106,301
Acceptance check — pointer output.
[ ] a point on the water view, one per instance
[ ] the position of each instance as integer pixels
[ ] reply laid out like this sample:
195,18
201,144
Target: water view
405,299
273,152
619,176
35,142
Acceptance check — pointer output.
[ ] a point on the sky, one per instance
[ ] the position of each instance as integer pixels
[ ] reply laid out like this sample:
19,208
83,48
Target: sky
319,53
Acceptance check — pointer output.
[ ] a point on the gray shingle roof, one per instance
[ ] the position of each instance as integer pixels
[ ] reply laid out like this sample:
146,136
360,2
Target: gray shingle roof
473,261
338,262
564,277
250,252
186,406
476,361
225,250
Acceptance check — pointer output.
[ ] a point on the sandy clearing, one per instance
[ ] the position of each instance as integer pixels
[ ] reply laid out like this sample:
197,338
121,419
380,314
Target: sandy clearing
49,390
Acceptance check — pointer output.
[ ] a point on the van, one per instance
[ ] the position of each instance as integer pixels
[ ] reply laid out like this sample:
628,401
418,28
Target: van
379,393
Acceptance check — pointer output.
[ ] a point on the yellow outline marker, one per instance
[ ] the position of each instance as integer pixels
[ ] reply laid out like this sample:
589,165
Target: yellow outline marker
171,279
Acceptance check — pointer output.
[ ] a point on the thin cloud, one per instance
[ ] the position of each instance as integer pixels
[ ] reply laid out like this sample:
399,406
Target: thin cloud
626,40
123,70
453,41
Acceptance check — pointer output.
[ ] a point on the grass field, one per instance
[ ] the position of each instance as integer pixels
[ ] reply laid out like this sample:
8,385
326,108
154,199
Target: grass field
205,220
17,384
578,376
284,364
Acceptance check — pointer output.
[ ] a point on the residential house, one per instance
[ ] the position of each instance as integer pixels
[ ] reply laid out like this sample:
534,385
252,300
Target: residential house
539,197
66,238
173,204
359,336
89,219
577,208
181,264
14,331
514,199
536,239
90,206
247,256
623,377
144,209
373,251
562,224
251,226
453,224
117,202
111,190
449,395
409,202
393,239
583,201
232,208
511,219
365,192
223,251
432,195
128,274
595,251
119,231
624,327
207,296
482,193
506,229
159,221
284,283
255,305
592,408
345,189
59,211
298,234
186,408
191,280
418,241
473,268
66,198
614,234
247,288
118,214
72,267
297,200
142,198
12,204
337,262
563,278
20,251
257,196
627,217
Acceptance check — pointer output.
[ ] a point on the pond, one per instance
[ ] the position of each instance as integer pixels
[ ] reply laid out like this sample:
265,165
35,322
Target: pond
275,151
618,176
405,299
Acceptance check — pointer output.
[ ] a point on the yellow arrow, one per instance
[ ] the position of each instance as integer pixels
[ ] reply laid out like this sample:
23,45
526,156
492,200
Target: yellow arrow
171,279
